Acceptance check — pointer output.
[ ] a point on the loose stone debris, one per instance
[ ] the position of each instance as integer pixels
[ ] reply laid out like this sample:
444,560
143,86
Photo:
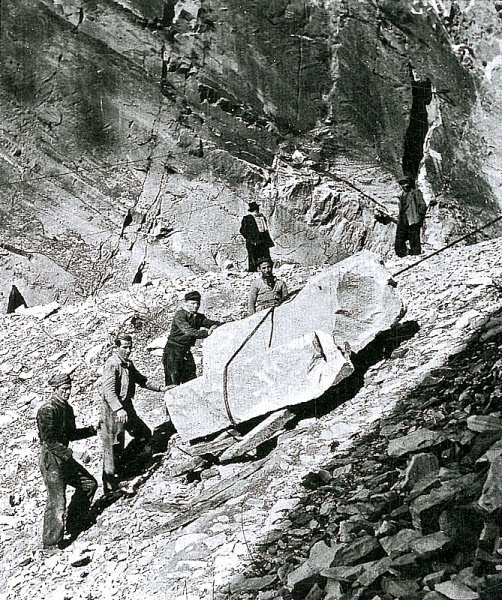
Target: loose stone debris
156,539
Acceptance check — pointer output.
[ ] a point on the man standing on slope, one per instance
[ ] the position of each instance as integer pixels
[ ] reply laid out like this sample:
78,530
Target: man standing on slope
267,290
56,428
412,209
254,229
119,381
179,365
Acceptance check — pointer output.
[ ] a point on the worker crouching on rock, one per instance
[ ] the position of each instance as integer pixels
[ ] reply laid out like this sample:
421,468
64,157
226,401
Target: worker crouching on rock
188,326
56,428
118,415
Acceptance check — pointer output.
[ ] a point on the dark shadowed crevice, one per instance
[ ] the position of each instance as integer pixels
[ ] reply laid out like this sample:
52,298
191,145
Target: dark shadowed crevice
15,300
138,277
418,126
168,16
126,223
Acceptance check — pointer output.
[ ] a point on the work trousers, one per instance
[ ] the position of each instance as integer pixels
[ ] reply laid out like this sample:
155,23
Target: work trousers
57,474
256,252
115,455
179,365
405,233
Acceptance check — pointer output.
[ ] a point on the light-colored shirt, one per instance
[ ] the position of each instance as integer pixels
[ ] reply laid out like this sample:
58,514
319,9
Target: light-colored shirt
261,222
262,295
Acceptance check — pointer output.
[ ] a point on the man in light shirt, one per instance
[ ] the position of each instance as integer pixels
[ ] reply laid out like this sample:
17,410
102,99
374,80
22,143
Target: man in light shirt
267,290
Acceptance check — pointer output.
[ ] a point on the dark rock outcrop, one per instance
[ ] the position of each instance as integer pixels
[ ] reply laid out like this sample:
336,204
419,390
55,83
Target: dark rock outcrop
133,132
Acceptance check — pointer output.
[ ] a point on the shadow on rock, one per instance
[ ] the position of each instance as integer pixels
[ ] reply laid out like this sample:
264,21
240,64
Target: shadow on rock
133,476
383,346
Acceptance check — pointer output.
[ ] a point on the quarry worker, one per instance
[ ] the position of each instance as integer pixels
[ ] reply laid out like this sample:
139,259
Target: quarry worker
118,415
254,229
188,326
56,428
267,290
412,209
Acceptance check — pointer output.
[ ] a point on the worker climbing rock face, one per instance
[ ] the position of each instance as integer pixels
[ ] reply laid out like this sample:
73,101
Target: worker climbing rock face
56,428
118,415
188,326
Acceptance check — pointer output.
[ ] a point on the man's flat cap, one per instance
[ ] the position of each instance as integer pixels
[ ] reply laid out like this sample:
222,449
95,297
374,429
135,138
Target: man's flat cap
60,379
267,260
253,206
192,296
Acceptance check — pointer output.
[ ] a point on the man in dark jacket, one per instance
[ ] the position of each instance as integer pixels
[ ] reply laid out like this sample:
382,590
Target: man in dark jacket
179,365
118,415
56,428
412,209
254,229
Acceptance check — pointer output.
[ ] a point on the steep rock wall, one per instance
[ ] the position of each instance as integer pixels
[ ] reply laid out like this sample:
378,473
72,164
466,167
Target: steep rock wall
133,133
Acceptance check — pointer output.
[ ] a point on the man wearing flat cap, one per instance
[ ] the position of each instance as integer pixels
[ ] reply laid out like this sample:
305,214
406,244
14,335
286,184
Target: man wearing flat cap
254,229
412,209
267,290
118,415
56,428
188,326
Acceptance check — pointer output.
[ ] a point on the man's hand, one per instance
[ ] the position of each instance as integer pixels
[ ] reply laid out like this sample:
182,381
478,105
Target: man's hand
121,416
211,329
165,388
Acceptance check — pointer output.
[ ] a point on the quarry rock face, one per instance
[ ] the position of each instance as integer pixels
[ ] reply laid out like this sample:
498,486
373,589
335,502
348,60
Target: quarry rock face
293,354
134,133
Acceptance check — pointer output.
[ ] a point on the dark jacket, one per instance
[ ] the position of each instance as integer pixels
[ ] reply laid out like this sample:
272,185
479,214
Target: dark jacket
56,427
250,232
119,382
186,329
412,205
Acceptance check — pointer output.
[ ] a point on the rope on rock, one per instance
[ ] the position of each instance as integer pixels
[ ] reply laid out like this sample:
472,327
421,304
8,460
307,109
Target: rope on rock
270,311
409,267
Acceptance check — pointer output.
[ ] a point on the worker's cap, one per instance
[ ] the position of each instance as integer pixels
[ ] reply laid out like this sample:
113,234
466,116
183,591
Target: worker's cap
60,379
267,261
192,296
253,206
122,337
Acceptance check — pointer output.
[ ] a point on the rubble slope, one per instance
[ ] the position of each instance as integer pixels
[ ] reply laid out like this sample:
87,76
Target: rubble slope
135,549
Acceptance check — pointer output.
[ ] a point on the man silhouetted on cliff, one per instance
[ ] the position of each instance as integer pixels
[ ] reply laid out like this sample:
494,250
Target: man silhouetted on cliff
254,229
56,428
267,290
118,415
188,326
412,209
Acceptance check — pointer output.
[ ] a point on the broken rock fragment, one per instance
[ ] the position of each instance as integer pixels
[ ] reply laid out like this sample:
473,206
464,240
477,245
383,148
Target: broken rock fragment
420,467
455,590
491,496
413,442
321,557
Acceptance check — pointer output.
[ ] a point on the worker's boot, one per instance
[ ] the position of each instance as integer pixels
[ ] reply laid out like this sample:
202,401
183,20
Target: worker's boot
111,483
